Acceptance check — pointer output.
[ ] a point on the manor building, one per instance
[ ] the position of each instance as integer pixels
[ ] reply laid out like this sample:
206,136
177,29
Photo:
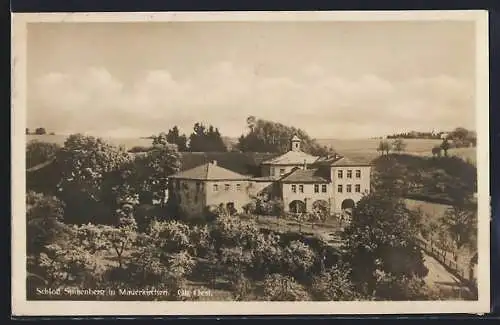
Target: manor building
302,181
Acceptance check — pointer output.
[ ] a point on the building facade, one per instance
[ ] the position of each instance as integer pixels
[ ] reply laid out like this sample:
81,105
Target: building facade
304,183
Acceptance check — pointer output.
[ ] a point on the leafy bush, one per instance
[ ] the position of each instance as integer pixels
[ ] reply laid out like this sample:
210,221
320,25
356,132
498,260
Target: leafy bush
234,232
279,287
334,285
298,258
171,236
201,240
403,289
44,215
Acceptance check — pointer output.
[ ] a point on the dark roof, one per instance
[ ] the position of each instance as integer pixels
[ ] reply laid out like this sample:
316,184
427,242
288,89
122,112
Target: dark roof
306,176
245,163
266,178
209,171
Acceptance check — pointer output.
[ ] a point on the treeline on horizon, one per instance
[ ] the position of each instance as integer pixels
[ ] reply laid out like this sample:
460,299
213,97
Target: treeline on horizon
262,136
458,134
38,131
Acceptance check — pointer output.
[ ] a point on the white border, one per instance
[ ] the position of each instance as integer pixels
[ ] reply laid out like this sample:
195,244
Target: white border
22,307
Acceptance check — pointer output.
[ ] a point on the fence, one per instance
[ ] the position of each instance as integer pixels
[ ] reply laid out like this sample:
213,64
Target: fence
463,272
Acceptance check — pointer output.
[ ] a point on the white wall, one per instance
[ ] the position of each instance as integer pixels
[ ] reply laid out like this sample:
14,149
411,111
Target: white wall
363,181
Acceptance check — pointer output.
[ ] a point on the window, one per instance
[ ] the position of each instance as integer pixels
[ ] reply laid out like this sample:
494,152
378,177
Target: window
271,171
357,188
348,188
178,184
294,188
216,187
339,188
238,187
282,171
349,174
301,188
316,188
227,187
340,174
198,186
358,173
323,188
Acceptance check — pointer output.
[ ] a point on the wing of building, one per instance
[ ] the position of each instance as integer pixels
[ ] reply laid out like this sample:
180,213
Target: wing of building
302,181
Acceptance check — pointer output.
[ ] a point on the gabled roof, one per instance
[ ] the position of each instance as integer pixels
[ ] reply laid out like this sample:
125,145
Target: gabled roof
306,176
341,161
292,158
209,171
344,161
295,138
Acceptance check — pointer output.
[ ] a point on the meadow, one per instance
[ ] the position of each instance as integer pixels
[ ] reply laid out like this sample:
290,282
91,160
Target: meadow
362,149
366,149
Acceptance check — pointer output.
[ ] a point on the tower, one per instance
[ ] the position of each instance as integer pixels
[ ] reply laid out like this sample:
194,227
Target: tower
295,143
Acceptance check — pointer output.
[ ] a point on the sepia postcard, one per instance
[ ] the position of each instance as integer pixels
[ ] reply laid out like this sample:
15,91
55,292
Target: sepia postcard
250,163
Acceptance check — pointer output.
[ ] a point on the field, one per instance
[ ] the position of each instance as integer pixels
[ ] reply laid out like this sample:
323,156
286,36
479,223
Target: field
432,210
366,149
363,149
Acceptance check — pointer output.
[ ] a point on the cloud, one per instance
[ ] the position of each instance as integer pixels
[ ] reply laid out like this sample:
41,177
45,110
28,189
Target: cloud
224,94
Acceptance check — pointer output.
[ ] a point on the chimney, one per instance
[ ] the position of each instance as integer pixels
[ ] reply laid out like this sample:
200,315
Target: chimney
214,162
305,164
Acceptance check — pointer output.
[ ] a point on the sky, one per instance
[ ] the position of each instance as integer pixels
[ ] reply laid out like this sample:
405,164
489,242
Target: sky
332,79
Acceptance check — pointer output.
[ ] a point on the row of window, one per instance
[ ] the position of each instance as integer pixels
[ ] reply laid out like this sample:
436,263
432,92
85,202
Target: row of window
340,173
340,188
348,188
227,187
199,186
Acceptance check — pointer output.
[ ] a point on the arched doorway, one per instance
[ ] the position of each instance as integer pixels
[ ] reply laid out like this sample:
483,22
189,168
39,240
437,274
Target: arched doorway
297,206
347,204
231,210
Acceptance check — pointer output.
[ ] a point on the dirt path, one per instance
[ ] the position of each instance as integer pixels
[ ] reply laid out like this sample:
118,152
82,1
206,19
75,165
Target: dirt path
439,278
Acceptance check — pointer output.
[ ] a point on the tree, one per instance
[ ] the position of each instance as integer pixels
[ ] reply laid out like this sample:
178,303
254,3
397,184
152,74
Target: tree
149,171
445,146
172,236
93,176
382,238
398,145
117,239
461,224
298,258
44,216
40,131
384,147
334,285
174,136
269,136
205,139
279,287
